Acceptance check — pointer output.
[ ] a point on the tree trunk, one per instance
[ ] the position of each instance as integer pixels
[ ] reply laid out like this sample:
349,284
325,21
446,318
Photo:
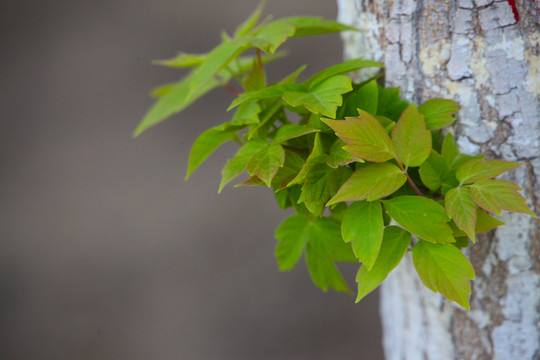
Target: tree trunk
485,55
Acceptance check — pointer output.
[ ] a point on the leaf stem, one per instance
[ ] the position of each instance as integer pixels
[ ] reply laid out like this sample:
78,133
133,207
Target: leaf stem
409,180
232,89
259,59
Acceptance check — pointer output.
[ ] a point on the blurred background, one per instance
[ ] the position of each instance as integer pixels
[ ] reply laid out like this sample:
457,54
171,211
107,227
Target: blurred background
107,253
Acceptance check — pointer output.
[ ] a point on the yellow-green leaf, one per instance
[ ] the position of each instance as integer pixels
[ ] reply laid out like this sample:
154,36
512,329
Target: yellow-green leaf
411,138
365,137
495,195
421,216
363,226
393,247
371,182
266,163
438,112
324,98
480,169
460,206
443,268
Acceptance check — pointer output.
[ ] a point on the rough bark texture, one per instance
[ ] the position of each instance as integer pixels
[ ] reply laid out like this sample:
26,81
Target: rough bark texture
484,55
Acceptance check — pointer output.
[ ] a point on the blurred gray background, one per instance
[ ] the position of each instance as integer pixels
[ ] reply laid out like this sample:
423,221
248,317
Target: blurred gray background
106,252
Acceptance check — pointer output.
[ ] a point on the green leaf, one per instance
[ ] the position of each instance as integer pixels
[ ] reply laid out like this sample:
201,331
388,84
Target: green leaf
437,112
452,155
272,91
256,79
291,131
494,195
291,167
324,98
239,162
266,163
174,101
322,241
339,69
293,76
316,188
214,61
307,26
479,169
183,60
421,216
486,222
389,104
363,226
371,182
317,156
365,98
270,36
365,137
443,268
393,247
293,236
434,171
246,114
338,156
245,27
323,271
205,145
411,138
460,206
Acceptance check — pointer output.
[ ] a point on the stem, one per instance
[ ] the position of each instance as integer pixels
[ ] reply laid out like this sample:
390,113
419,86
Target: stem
259,59
409,180
232,89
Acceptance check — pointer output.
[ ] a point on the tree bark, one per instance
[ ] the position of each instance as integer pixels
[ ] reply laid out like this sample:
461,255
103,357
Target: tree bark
485,55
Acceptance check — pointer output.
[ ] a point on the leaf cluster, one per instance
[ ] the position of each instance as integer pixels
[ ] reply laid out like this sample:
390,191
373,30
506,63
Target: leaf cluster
363,170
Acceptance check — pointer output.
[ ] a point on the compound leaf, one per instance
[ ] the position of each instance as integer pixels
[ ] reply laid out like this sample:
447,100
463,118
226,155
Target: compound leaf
365,137
363,226
323,98
266,163
421,216
371,182
443,268
411,138
393,247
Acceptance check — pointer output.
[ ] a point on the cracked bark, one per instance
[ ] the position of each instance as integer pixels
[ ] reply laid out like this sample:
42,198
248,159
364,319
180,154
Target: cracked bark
474,52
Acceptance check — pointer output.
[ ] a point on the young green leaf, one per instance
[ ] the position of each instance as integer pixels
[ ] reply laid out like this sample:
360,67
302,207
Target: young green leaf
270,36
486,222
174,101
411,138
266,163
434,171
371,182
307,26
324,98
363,226
256,79
338,156
365,98
495,195
443,268
317,156
244,28
291,131
479,169
316,188
214,61
239,162
325,235
245,114
460,206
389,104
365,137
183,60
269,92
393,247
437,112
421,216
323,271
293,236
205,145
339,69
452,155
